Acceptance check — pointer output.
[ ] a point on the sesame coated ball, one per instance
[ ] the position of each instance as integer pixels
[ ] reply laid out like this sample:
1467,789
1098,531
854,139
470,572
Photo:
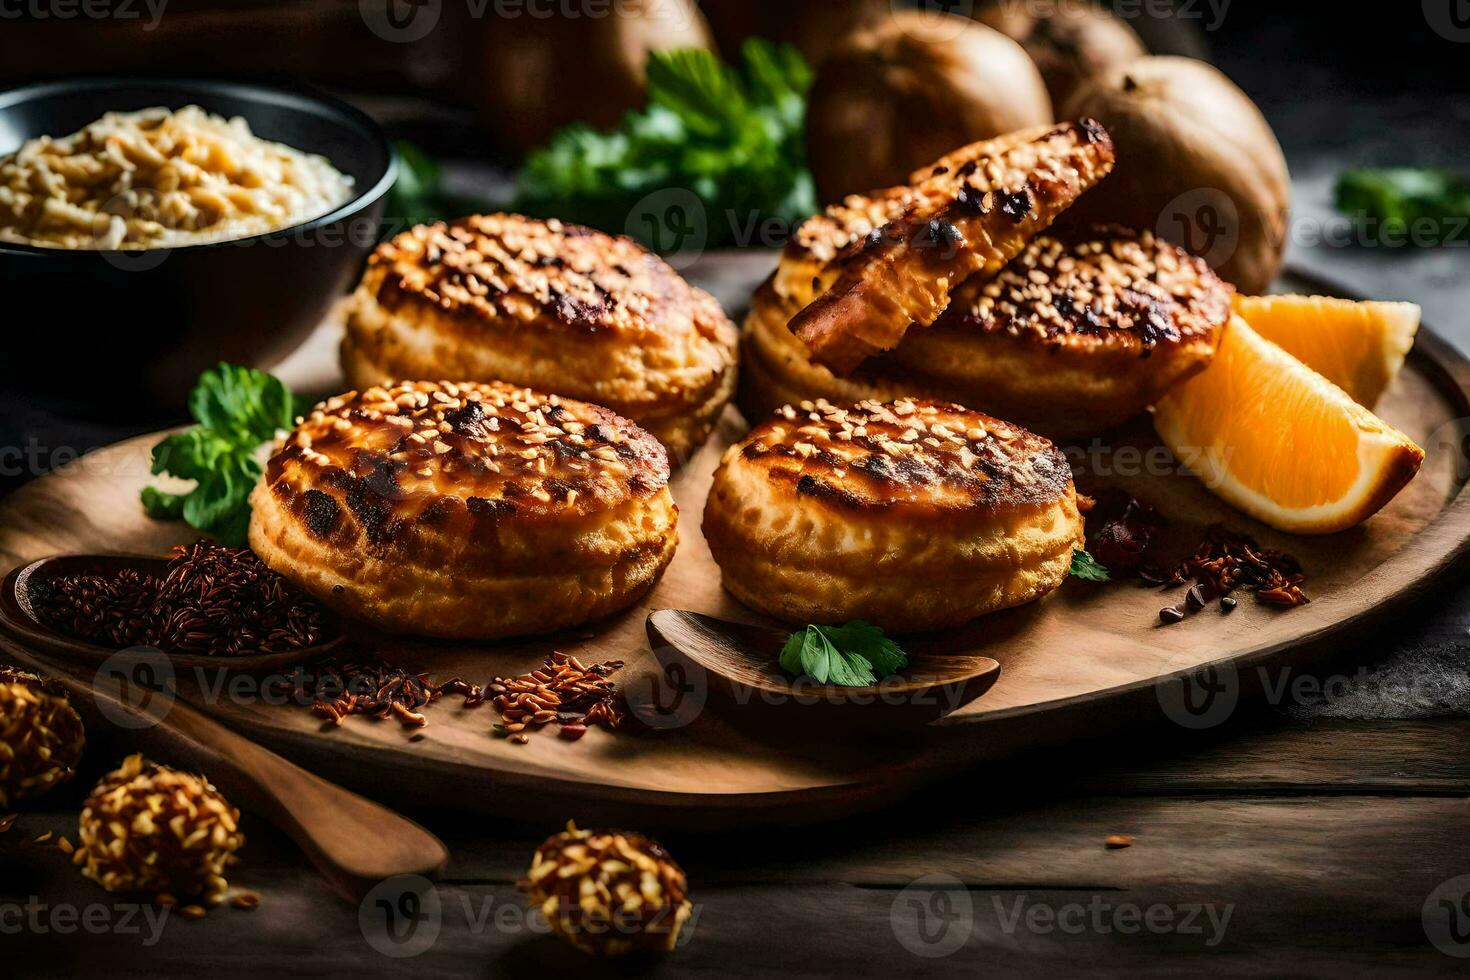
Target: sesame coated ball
609,892
149,828
41,737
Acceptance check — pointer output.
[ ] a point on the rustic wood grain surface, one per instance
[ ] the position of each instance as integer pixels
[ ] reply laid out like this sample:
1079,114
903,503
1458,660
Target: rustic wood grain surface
1083,662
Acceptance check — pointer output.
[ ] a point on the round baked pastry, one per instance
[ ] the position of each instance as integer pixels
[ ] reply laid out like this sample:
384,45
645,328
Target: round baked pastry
1079,333
466,510
552,306
912,515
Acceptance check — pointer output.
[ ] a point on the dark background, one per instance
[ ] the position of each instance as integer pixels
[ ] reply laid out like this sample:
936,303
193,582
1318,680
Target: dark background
1303,48
1342,84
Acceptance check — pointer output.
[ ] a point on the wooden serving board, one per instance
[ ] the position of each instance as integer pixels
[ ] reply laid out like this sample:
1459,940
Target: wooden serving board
1084,660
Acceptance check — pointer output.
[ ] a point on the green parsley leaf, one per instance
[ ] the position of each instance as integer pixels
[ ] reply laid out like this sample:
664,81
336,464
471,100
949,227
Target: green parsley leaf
237,409
734,137
242,405
791,652
854,655
1431,205
1085,567
825,663
163,506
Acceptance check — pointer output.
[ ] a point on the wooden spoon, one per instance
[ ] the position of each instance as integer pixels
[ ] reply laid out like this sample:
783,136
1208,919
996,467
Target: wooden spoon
353,842
18,617
738,664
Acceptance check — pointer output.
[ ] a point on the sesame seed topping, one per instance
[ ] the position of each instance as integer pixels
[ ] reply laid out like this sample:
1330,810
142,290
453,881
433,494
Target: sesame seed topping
875,454
1106,283
414,442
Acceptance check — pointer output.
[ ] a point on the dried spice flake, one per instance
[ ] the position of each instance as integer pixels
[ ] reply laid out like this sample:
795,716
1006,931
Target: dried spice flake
1228,560
565,691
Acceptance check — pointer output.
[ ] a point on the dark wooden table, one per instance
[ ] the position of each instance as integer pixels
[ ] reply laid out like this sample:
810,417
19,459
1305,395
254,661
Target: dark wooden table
1286,841
1323,834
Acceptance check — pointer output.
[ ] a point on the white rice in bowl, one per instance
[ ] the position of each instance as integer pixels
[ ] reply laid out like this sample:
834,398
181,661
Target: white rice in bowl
160,178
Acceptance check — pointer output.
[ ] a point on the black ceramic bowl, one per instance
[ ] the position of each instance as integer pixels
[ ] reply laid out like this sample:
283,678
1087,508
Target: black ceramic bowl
129,331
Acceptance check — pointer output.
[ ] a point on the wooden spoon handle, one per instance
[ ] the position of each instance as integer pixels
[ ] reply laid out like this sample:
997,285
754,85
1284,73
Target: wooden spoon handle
353,842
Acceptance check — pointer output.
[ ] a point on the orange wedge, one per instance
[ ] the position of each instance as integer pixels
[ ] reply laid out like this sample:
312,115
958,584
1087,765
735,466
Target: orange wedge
1357,346
1282,443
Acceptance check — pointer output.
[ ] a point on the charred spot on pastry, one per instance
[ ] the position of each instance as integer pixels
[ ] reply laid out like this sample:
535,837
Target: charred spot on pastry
369,510
491,507
1155,326
320,512
576,312
382,479
438,512
1015,204
971,200
940,238
467,419
560,490
641,485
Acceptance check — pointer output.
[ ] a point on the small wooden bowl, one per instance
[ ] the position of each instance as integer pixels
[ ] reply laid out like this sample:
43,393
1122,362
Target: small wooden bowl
738,665
19,620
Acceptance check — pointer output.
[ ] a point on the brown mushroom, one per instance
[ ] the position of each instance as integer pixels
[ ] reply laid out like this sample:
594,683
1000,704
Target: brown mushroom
1070,40
909,89
542,72
1197,163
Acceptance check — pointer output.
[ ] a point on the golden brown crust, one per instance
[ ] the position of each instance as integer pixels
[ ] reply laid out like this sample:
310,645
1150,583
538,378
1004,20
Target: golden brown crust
1078,334
466,510
912,515
553,306
923,457
1101,287
961,222
809,262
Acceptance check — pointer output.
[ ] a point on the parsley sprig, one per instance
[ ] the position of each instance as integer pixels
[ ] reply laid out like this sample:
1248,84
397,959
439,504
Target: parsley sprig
734,137
1430,204
854,655
1087,568
236,410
